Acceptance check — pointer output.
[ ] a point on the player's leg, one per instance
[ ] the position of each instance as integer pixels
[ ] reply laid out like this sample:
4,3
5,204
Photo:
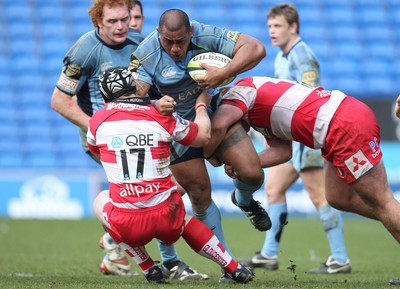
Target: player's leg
192,175
237,150
312,176
279,179
152,272
373,188
204,242
115,261
341,196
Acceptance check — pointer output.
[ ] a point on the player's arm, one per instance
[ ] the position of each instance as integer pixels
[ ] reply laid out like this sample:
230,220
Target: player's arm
67,106
277,152
247,53
397,107
164,105
225,116
202,120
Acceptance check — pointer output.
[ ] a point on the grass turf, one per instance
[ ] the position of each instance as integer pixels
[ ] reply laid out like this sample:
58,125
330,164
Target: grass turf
65,254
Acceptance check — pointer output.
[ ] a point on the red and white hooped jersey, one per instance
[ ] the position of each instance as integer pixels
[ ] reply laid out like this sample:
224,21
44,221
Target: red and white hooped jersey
285,109
134,145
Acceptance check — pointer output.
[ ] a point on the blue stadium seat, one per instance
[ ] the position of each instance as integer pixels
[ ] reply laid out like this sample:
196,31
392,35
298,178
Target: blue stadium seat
348,49
340,15
12,159
371,14
41,160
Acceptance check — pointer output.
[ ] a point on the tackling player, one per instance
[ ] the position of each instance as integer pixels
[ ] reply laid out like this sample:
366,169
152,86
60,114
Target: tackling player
77,96
297,62
284,111
133,143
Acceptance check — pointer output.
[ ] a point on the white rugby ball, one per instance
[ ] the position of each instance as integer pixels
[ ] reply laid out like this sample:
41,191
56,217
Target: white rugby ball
210,58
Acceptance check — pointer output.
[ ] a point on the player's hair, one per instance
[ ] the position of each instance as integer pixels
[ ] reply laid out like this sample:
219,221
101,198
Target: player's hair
288,11
173,20
139,3
96,10
116,82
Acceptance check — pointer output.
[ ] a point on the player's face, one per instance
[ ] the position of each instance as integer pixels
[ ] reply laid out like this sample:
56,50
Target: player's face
114,26
175,43
137,19
280,32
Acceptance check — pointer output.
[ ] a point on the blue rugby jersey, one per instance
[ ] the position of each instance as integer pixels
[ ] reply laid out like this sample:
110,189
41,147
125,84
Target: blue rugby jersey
299,64
86,60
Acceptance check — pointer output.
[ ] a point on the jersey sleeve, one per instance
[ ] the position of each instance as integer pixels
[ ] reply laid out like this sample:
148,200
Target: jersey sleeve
185,131
241,95
306,66
76,65
90,135
213,38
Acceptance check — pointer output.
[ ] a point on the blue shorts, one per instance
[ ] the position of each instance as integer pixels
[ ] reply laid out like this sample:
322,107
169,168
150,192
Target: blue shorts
305,157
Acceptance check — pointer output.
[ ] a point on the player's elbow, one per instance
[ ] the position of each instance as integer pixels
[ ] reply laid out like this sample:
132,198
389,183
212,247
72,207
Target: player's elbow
202,139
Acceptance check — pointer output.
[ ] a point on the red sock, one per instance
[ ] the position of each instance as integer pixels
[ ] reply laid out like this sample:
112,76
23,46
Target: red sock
203,241
140,256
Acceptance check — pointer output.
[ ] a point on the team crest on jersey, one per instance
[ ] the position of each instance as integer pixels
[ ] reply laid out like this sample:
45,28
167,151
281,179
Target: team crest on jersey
168,72
358,164
232,35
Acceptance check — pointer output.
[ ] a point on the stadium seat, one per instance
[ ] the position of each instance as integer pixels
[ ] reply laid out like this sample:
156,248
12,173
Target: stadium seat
355,41
12,159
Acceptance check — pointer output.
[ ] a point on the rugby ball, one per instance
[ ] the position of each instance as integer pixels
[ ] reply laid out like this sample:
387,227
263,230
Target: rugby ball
210,58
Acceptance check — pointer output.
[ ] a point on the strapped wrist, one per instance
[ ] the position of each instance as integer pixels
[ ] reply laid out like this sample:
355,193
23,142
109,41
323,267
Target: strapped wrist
200,105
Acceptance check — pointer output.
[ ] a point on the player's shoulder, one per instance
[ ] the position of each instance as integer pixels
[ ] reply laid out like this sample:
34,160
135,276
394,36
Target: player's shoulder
135,36
84,47
302,53
89,38
301,50
148,47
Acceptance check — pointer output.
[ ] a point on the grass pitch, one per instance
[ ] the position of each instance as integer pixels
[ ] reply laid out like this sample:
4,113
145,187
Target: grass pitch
65,254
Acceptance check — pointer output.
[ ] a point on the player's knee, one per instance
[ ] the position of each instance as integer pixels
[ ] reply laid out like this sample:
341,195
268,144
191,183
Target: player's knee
254,178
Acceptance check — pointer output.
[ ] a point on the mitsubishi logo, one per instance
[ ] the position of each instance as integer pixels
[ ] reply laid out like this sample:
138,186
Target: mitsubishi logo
357,163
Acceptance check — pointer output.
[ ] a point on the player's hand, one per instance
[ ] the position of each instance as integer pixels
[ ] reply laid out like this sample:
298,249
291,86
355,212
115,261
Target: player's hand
230,171
213,78
165,105
397,107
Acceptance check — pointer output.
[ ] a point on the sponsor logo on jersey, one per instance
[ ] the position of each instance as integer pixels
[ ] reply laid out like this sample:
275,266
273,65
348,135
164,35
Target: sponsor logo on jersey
126,106
374,145
358,164
232,35
194,92
137,190
117,142
133,65
132,140
324,93
141,140
309,78
67,84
